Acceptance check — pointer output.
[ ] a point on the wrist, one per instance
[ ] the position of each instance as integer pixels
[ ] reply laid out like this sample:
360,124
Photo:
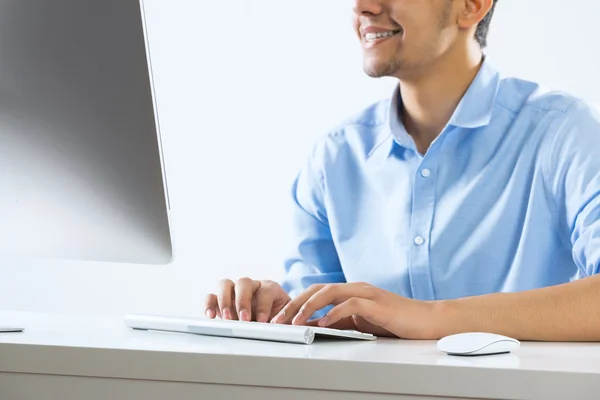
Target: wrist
446,318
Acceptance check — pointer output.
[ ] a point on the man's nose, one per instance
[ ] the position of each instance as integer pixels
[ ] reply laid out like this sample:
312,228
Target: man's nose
367,7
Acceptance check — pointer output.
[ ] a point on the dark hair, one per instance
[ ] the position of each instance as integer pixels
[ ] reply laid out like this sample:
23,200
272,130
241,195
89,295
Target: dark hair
484,26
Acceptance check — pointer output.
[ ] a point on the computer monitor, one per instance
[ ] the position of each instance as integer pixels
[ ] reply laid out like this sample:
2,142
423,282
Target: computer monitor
81,171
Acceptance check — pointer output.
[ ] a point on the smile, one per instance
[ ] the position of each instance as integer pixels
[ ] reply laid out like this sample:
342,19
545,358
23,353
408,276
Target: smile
371,37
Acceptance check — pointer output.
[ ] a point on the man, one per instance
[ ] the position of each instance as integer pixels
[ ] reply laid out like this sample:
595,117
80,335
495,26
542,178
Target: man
468,202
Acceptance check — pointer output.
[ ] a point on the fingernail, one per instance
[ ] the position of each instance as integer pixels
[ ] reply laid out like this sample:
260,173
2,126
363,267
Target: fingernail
298,316
210,313
324,321
226,313
244,316
278,317
297,319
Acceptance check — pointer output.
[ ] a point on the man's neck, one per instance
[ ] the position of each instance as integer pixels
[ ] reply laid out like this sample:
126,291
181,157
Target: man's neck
430,100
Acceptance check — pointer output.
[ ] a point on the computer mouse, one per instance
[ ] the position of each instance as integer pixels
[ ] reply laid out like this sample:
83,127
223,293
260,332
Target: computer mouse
477,344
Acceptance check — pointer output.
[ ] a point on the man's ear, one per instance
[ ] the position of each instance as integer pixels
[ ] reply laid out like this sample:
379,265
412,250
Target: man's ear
473,12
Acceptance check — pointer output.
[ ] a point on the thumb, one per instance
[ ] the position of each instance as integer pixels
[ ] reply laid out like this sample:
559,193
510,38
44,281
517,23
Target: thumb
343,324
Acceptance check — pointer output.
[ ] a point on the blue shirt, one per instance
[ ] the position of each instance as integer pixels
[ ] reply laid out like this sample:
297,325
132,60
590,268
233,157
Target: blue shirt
506,199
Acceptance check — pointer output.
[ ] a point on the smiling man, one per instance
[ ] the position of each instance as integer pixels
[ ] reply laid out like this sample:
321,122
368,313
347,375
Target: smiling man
466,202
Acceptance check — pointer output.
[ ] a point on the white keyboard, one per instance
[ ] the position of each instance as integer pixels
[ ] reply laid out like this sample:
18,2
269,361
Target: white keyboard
241,329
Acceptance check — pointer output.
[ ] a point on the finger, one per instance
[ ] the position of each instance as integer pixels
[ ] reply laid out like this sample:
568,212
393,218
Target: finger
293,306
280,302
224,298
244,290
353,306
331,295
265,299
264,305
210,305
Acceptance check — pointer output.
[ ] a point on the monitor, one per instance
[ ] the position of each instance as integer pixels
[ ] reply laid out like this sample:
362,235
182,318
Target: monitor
81,168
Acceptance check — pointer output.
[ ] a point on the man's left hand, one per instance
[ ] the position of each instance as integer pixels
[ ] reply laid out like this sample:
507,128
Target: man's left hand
362,307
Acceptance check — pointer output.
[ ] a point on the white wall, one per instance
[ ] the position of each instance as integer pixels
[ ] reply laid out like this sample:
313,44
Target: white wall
243,88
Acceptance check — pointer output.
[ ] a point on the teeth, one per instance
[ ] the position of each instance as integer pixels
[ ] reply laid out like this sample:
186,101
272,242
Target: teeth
374,36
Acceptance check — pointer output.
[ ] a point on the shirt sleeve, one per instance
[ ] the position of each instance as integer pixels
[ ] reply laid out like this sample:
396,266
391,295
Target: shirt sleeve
575,170
313,258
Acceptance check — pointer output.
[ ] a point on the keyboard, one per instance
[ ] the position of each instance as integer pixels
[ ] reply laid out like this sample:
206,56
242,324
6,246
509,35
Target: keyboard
241,329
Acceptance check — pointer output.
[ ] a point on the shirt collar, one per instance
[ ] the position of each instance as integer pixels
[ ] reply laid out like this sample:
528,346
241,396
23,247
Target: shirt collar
473,111
476,107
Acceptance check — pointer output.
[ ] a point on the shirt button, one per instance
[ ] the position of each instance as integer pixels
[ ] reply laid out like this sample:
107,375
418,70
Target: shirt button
419,240
425,173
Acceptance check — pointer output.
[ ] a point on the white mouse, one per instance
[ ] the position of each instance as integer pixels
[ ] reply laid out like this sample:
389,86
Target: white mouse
477,344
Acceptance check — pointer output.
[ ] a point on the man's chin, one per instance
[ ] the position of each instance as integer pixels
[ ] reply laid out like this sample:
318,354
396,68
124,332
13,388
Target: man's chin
378,70
375,73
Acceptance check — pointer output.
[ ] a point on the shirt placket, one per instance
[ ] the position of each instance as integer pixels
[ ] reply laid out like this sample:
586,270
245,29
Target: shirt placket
421,220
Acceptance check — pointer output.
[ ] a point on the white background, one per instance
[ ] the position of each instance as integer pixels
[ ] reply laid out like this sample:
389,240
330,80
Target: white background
243,88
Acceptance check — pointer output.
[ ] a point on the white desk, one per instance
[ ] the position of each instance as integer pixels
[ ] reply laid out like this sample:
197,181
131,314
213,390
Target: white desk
79,357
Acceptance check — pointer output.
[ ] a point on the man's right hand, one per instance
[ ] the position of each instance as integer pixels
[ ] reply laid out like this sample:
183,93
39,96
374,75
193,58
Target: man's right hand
246,300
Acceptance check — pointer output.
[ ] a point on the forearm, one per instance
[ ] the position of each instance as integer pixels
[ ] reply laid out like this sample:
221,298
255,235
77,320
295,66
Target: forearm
568,312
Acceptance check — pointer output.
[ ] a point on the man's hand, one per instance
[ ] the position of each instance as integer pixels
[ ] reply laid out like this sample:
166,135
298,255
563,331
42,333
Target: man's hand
362,307
246,300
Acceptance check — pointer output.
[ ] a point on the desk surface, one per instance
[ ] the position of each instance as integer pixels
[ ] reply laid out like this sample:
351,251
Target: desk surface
76,345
